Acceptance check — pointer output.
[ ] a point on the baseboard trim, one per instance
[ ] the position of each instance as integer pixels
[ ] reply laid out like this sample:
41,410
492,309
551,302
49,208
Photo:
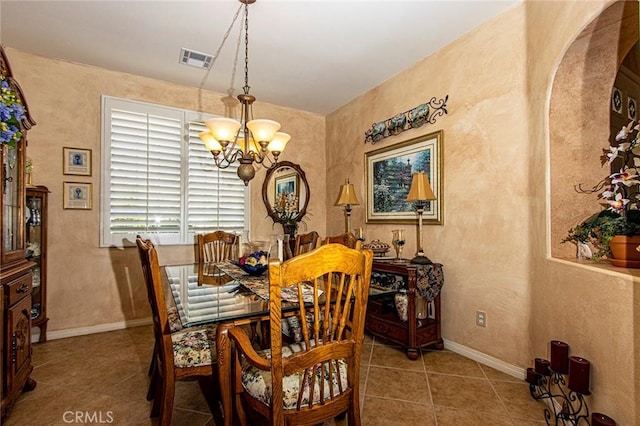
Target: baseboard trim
485,359
100,328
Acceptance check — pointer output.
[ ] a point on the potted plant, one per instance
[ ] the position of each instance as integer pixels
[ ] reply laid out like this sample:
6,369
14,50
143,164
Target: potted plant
286,208
615,231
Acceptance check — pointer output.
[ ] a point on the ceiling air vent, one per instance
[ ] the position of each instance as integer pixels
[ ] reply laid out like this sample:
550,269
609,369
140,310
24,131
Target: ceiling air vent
195,59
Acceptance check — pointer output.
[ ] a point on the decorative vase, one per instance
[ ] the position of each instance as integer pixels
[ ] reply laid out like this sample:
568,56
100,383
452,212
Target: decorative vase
290,229
402,304
625,251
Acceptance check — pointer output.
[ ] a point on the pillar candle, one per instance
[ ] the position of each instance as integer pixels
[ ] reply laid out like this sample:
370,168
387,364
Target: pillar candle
598,419
559,357
542,366
532,377
280,250
579,369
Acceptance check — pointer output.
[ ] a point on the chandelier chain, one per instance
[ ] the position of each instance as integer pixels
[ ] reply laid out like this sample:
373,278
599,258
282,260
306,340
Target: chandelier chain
217,54
246,49
232,84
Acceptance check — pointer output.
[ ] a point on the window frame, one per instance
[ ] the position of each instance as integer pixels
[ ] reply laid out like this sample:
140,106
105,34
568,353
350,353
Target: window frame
183,236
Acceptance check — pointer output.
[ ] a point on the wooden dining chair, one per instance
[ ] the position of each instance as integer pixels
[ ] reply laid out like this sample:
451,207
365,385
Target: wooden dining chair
305,242
218,246
291,326
346,239
317,379
178,355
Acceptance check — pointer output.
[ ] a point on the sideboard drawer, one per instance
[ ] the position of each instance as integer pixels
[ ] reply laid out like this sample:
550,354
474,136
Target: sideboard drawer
18,289
392,330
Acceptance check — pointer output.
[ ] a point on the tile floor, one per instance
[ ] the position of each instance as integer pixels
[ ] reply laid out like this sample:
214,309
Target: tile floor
106,375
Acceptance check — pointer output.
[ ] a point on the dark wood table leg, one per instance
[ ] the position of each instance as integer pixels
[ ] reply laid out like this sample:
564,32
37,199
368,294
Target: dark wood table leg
265,329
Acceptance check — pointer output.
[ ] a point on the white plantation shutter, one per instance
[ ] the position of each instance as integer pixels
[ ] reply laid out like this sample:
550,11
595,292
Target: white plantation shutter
158,179
215,197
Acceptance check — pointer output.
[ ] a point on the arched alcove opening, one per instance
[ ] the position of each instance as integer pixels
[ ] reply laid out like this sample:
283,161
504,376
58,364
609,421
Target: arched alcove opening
579,116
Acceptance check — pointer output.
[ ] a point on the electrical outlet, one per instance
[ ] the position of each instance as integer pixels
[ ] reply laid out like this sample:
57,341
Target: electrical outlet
481,318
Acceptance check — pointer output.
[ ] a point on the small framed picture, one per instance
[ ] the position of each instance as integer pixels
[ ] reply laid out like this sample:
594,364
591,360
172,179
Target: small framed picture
631,108
77,195
76,161
616,100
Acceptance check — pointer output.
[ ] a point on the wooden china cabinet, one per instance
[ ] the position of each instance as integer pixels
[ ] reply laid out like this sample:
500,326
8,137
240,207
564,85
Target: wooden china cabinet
15,270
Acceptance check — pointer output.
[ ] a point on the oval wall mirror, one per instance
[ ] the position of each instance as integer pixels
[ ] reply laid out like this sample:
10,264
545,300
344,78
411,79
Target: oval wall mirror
286,178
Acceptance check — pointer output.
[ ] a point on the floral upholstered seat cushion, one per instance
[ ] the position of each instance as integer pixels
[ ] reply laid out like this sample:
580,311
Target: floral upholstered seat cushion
259,385
194,347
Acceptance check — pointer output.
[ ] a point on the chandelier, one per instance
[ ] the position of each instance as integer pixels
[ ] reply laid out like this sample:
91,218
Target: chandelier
252,142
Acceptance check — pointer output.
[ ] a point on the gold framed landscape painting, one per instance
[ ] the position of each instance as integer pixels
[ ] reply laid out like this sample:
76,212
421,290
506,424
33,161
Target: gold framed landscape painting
389,172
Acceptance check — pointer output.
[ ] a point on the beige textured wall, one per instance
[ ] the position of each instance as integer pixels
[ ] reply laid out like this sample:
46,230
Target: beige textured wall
89,285
495,239
591,308
484,242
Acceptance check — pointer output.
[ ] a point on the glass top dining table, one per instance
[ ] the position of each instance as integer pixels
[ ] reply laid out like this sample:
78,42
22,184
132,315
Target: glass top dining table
223,294
210,293
205,294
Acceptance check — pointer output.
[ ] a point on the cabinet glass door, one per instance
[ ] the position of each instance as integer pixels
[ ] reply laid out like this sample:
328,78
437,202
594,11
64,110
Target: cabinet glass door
34,206
12,176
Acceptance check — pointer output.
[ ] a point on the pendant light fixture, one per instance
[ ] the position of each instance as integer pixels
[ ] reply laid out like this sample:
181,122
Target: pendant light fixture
252,142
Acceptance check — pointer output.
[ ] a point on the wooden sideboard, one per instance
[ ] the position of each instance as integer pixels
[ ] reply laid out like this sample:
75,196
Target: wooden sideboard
382,317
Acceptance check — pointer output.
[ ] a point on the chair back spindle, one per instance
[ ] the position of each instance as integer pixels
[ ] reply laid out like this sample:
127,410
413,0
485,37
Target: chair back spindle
218,246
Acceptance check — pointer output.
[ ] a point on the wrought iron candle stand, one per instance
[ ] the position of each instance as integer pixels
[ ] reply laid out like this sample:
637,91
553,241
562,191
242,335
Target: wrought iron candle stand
547,383
569,407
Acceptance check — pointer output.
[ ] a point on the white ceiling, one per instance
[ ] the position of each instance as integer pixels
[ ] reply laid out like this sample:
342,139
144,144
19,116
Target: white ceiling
314,55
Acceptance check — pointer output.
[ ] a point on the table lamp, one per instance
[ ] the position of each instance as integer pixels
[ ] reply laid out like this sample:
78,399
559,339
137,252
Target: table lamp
420,192
347,198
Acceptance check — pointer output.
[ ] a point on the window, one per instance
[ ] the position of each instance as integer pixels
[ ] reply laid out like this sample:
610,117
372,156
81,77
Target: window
158,179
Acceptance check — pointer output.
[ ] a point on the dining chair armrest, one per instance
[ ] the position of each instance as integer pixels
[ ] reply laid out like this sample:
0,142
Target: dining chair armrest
243,345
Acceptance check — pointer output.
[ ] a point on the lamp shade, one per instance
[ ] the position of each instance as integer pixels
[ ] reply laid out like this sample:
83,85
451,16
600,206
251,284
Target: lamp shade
263,130
278,142
210,142
222,128
420,189
347,195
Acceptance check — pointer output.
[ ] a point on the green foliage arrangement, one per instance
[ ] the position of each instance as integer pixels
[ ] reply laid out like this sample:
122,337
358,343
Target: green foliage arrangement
619,194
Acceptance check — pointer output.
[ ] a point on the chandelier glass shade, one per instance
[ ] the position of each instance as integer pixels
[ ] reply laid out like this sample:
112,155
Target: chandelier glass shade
251,142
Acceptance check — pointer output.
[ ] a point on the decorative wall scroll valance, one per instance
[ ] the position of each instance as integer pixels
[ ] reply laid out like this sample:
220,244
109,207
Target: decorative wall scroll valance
416,117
